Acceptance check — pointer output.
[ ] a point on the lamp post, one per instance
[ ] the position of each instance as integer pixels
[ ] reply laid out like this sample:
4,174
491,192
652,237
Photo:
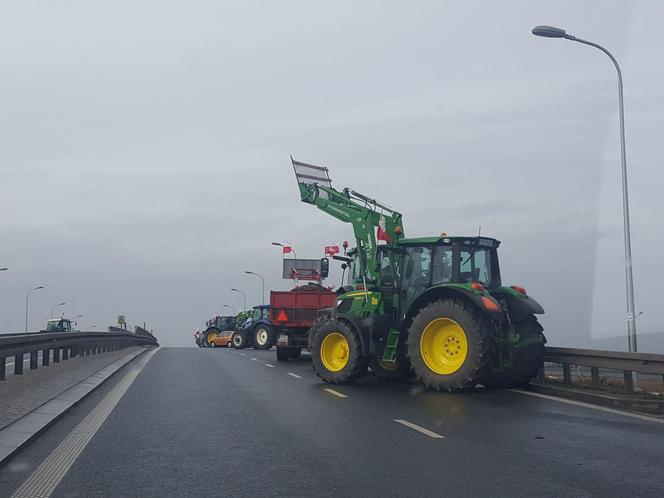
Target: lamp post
245,298
27,295
262,280
279,244
55,306
229,306
553,32
4,269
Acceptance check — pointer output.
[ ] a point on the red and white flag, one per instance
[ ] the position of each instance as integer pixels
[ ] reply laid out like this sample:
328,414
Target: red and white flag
331,250
286,249
381,233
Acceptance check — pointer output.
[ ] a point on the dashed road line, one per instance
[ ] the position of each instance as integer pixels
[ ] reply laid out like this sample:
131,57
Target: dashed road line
335,393
417,428
255,359
588,405
294,375
242,354
269,365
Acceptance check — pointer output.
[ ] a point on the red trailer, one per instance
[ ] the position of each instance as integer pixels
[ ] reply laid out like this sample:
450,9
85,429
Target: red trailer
293,312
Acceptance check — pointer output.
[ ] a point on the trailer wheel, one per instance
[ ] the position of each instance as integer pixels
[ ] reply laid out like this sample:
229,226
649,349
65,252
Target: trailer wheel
390,372
283,354
335,353
263,337
295,353
449,345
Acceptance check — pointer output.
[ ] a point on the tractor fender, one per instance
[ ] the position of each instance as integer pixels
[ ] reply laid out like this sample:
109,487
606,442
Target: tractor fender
450,292
519,307
361,325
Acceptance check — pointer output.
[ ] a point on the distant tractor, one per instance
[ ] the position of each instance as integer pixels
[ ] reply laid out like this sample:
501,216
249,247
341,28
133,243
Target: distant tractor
257,330
58,325
215,327
435,306
241,338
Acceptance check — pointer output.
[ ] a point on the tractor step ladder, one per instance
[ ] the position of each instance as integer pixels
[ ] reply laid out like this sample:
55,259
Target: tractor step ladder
390,352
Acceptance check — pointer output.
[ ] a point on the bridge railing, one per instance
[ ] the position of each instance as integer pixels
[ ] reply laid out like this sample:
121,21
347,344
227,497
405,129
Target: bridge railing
63,345
646,363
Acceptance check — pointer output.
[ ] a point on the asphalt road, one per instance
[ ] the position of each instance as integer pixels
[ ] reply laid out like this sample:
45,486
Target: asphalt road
216,422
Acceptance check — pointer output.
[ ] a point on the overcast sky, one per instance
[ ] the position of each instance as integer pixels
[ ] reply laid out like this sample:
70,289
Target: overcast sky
144,159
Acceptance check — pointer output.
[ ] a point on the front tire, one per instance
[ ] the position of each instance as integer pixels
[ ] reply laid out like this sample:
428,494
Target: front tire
239,340
263,337
335,355
529,359
449,345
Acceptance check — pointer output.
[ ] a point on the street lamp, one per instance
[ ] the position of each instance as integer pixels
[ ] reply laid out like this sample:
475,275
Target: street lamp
262,280
228,306
553,32
55,306
27,295
279,244
245,298
92,327
4,269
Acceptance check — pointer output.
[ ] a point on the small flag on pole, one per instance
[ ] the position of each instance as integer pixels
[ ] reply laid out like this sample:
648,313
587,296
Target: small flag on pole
286,249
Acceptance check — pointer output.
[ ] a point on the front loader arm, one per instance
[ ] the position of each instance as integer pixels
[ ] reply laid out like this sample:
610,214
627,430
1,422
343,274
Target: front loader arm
350,207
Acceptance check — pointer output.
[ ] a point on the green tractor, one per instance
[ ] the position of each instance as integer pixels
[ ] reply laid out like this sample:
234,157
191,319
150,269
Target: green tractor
241,338
434,306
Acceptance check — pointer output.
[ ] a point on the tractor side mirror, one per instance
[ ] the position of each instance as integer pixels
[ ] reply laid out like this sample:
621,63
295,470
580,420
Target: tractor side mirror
324,267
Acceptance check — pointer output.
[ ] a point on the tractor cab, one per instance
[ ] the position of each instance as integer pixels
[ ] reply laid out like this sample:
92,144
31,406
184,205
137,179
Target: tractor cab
261,312
59,325
429,261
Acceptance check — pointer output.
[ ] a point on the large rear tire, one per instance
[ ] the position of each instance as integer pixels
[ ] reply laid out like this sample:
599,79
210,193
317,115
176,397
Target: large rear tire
335,353
390,372
449,345
529,358
264,337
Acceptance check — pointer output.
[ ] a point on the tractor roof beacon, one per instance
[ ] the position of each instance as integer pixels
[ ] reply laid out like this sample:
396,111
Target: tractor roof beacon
432,305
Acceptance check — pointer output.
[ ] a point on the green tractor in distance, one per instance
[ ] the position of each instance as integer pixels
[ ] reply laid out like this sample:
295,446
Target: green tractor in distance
241,338
214,327
59,325
433,305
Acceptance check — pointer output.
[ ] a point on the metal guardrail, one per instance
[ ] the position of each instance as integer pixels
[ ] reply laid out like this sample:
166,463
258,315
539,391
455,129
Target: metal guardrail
63,345
628,363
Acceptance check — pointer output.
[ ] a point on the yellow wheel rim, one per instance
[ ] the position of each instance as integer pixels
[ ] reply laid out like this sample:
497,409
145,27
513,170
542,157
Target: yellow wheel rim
211,336
334,351
444,346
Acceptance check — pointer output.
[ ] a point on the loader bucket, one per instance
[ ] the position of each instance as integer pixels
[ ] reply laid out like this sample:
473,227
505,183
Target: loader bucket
310,174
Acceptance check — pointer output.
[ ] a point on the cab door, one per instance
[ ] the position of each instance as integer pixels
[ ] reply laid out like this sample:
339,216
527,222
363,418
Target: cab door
415,275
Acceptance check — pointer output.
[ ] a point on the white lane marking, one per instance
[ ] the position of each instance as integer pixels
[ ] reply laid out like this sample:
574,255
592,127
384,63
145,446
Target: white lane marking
588,405
336,393
255,359
268,365
417,428
294,375
48,475
242,354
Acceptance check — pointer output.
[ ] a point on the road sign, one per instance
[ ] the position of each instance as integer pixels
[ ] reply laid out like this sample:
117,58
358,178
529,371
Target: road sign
121,320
